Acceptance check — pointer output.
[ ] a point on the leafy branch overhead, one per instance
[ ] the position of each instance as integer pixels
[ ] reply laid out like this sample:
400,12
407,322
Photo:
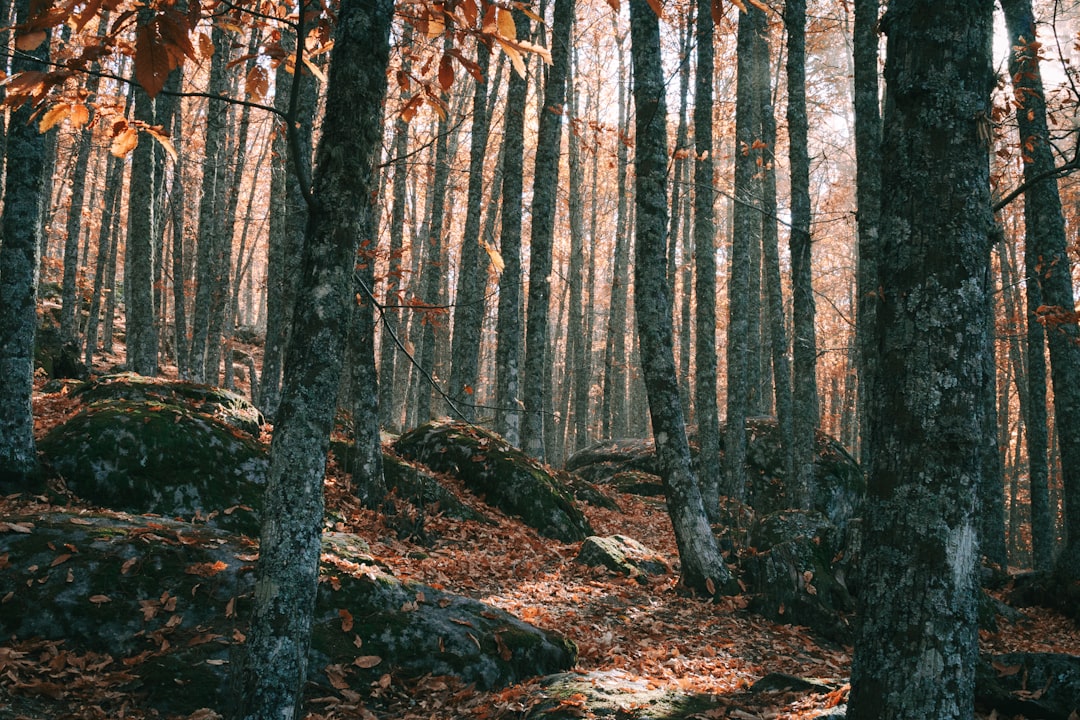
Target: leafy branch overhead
159,39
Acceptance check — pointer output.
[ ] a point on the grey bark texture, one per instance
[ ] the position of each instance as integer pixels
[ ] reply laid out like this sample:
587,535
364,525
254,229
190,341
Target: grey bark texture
508,322
1046,248
273,671
916,643
868,200
536,387
141,329
804,340
705,402
472,265
746,224
703,568
24,192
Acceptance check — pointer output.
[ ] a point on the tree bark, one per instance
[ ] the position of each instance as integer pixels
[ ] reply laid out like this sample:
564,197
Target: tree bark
274,669
916,644
703,567
508,323
742,300
868,200
804,339
24,191
1046,245
705,402
472,267
536,390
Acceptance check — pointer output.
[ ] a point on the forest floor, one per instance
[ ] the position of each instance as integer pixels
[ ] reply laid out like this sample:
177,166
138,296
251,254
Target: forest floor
653,634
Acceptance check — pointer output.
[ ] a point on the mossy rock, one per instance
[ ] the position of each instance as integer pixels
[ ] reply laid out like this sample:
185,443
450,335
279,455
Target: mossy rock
147,456
414,484
59,358
1034,685
630,466
618,694
224,405
127,585
795,572
623,555
502,475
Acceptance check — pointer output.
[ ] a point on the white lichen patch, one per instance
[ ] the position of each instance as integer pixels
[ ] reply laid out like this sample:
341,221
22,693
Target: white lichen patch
961,548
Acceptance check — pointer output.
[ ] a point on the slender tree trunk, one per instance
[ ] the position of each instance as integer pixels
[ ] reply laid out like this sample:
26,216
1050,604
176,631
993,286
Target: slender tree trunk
916,645
703,567
141,329
576,380
1046,245
868,199
392,328
805,417
179,259
24,191
274,669
472,270
742,302
613,408
537,383
107,239
705,401
770,277
508,324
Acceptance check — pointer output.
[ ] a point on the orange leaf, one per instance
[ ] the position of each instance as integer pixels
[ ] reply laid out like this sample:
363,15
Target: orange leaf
258,82
100,599
367,661
446,73
60,559
506,24
152,62
717,10
346,620
657,7
28,41
79,115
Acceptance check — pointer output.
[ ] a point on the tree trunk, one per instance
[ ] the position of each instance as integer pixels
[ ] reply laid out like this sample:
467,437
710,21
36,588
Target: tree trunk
705,402
916,644
472,268
141,329
24,191
107,239
742,303
703,567
1046,245
613,408
868,200
537,384
275,666
804,418
508,328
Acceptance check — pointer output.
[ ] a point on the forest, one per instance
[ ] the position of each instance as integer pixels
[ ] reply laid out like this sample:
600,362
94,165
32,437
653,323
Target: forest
373,293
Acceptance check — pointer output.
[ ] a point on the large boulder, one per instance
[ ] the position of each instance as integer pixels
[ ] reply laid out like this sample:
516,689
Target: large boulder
796,572
623,555
502,475
154,452
1032,685
837,491
171,601
224,405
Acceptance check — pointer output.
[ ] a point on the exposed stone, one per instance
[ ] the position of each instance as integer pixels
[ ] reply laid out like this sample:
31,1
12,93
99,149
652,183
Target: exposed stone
623,555
502,475
126,585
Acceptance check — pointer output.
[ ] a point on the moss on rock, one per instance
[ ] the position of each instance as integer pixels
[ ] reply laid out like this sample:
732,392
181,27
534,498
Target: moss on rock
502,475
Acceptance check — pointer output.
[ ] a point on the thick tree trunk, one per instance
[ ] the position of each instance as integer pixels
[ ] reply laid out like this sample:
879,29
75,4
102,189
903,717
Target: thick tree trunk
1046,245
703,567
275,666
916,644
24,191
536,389
576,379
